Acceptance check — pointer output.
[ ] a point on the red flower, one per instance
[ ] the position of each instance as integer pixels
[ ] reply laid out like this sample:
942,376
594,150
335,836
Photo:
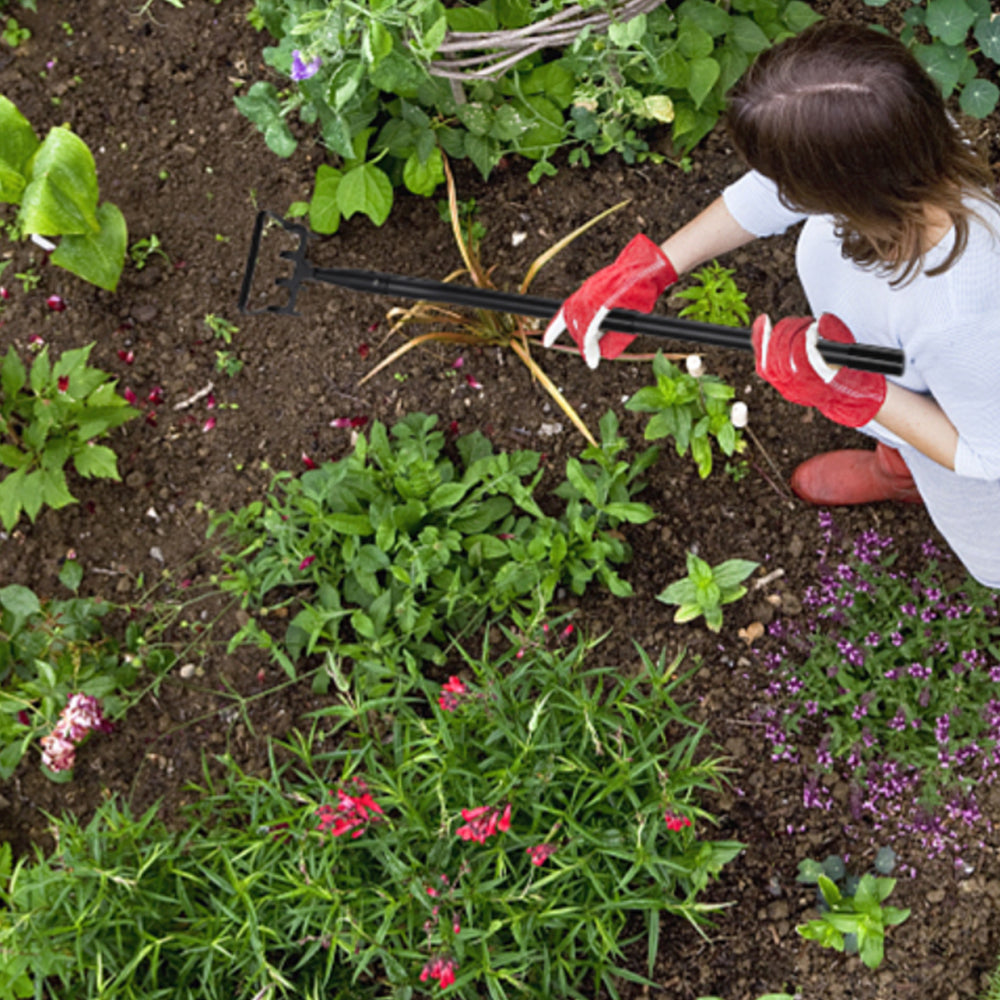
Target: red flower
441,969
675,823
540,853
155,395
63,383
450,691
483,822
353,812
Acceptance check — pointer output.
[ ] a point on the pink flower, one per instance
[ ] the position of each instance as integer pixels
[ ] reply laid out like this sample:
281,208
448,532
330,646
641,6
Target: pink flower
483,822
56,303
81,714
352,812
450,691
458,362
307,562
675,823
441,969
35,340
540,853
58,752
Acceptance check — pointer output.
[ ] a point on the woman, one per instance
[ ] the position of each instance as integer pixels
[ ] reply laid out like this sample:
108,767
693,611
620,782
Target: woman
842,128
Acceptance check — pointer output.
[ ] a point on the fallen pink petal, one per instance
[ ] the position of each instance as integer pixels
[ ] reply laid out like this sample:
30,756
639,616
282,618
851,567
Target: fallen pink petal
363,349
473,383
127,356
155,395
458,362
307,562
208,425
56,303
308,462
129,396
4,292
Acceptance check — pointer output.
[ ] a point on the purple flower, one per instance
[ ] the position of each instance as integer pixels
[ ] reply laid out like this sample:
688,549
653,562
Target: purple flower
301,70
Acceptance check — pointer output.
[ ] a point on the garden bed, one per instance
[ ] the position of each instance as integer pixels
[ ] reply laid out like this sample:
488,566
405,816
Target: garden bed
151,93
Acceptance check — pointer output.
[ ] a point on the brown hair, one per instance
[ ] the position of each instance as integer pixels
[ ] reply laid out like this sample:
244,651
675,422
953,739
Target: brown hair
847,123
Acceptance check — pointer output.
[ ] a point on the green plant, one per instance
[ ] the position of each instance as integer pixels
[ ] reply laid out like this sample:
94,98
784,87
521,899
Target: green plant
691,409
372,77
221,327
515,832
852,918
50,417
55,184
992,991
949,55
706,588
228,364
388,551
13,33
143,249
716,298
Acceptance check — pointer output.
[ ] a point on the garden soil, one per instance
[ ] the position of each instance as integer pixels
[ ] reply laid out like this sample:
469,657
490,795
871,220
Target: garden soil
151,91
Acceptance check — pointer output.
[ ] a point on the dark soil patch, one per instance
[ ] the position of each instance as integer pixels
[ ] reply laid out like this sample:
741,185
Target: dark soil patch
154,102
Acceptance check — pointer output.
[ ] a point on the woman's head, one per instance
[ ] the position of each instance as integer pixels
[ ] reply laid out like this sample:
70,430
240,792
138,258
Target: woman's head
847,123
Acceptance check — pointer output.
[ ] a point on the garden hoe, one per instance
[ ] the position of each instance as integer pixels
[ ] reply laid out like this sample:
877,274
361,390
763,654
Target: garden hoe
884,360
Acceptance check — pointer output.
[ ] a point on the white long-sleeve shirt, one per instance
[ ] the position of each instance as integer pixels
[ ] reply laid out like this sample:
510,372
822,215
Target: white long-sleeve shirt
948,327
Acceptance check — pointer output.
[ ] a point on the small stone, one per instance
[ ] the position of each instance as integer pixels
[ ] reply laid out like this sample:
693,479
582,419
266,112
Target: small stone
796,546
187,671
936,896
156,553
144,313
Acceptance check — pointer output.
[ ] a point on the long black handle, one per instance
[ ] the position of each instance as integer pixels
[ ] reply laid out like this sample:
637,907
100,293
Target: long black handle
865,357
884,360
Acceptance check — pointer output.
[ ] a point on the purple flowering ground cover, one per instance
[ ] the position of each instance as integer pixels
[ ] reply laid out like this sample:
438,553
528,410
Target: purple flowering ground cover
151,93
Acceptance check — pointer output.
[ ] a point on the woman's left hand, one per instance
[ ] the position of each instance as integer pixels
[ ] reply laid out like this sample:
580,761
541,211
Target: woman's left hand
788,358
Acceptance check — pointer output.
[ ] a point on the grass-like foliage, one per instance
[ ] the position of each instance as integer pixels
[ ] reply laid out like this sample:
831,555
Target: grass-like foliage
406,540
509,834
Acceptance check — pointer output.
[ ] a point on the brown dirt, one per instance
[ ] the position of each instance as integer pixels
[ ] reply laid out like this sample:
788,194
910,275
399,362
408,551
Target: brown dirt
155,95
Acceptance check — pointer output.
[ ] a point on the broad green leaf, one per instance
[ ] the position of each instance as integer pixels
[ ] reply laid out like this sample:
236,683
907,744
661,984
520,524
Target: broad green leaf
547,127
944,63
979,98
97,257
17,143
260,105
949,20
366,189
987,35
324,209
632,31
54,490
733,572
799,15
61,195
96,460
71,574
10,498
687,613
706,15
704,73
694,42
19,600
424,178
12,374
748,36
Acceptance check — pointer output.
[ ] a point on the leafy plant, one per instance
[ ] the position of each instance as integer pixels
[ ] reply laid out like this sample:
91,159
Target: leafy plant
395,547
485,328
511,834
706,588
852,918
143,249
50,417
374,70
55,184
221,327
13,33
896,668
949,55
690,409
715,298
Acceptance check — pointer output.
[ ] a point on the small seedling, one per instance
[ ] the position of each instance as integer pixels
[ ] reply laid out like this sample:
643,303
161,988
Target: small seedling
706,588
227,363
13,34
142,250
715,298
29,279
220,327
852,918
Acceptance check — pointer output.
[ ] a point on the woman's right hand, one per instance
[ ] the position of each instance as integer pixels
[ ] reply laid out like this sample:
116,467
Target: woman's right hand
634,281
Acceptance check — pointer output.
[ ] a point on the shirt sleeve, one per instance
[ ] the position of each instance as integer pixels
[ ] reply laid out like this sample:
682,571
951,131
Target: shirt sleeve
754,203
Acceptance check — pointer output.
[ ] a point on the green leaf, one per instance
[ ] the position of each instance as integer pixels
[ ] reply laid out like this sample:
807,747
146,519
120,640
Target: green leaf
10,498
71,574
424,178
748,36
687,613
733,572
987,35
61,195
261,106
706,15
324,209
13,375
96,460
799,15
979,98
17,143
97,257
944,63
366,189
704,73
949,20
20,601
53,490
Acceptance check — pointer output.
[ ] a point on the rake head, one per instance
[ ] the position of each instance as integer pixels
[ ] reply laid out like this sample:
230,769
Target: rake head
302,271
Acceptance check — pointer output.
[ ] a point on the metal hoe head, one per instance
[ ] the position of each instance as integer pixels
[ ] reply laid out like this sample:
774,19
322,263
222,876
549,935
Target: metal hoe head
303,269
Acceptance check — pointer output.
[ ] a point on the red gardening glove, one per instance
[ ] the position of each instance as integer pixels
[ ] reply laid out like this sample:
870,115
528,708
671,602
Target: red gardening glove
634,281
788,358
